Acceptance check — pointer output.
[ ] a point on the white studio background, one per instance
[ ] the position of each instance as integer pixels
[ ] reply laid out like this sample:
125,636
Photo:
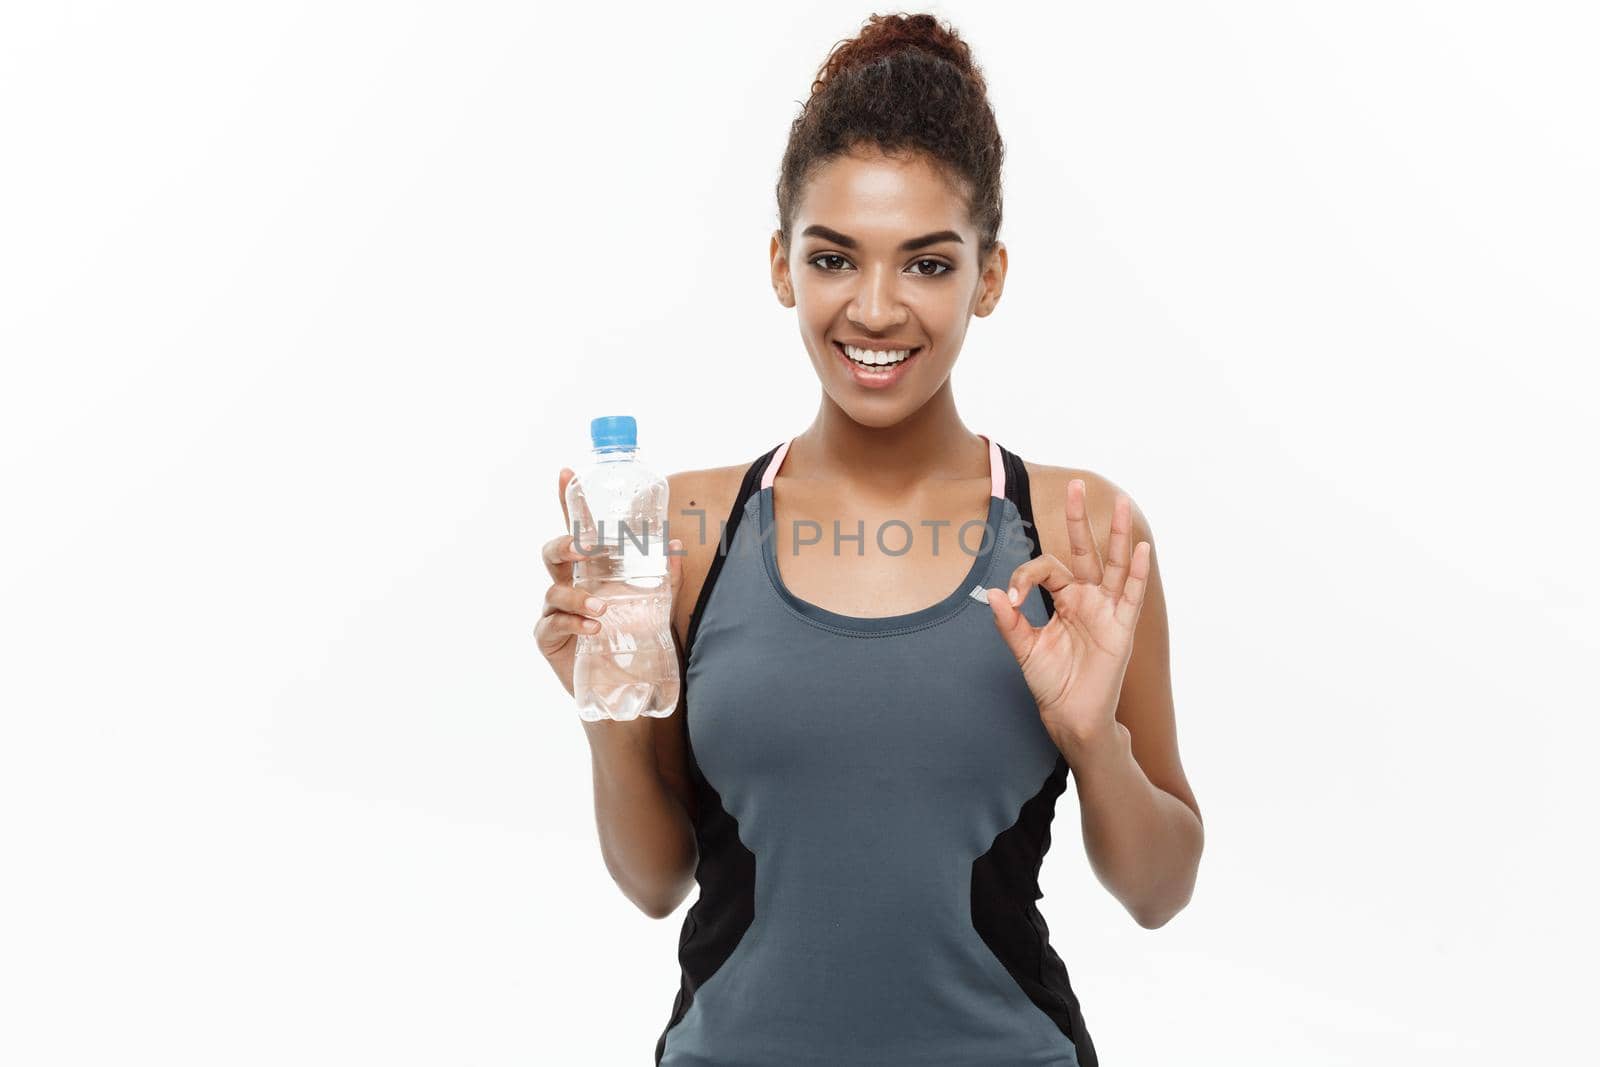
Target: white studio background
303,305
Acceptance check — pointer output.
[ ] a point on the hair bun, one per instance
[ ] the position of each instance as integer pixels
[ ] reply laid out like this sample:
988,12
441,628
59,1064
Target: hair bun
883,35
907,85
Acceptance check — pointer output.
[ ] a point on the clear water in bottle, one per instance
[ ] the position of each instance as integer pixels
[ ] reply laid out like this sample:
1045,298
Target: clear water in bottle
618,509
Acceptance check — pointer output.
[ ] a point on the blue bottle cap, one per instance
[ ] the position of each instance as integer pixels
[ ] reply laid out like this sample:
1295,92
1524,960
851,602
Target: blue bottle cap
614,431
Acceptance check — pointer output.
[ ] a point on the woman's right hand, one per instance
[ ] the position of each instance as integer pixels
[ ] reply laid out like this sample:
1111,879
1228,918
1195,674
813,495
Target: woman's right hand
565,615
568,612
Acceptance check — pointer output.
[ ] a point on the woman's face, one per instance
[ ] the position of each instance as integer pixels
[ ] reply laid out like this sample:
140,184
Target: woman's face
884,257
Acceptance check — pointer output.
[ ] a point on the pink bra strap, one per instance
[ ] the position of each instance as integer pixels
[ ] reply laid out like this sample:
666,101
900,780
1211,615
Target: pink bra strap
997,469
773,464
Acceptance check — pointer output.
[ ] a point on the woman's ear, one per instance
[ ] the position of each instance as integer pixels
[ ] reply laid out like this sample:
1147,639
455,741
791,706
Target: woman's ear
991,280
782,283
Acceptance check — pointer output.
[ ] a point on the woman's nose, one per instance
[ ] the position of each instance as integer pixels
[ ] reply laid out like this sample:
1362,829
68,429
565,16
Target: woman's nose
877,307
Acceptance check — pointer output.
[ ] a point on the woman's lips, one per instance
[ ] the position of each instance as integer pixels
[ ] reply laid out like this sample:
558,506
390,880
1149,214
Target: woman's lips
877,377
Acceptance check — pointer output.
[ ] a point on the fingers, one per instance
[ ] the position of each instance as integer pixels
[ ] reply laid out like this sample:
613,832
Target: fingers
1015,629
1045,571
1133,592
570,599
557,628
1119,548
559,555
1084,559
567,610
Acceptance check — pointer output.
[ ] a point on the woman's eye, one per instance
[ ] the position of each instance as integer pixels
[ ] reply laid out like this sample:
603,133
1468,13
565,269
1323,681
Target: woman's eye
821,263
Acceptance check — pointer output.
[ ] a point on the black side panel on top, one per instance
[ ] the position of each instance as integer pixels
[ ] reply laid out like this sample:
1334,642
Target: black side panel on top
726,871
1021,495
747,489
1005,880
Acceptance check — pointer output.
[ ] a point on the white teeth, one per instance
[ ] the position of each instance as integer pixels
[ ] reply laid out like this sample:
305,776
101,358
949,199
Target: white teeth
873,358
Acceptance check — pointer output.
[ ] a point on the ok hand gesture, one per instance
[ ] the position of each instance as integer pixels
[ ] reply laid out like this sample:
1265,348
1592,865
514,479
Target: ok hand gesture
1075,662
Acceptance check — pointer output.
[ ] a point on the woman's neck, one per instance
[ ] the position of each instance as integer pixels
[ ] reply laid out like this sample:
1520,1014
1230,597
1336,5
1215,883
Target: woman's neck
931,444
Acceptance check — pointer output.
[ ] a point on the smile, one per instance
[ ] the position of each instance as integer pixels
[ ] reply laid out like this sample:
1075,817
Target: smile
870,357
872,367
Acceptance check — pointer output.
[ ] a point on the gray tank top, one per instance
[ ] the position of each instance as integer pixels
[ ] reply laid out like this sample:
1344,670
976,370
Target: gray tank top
874,803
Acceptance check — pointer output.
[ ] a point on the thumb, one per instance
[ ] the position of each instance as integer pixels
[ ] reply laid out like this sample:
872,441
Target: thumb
1014,627
562,481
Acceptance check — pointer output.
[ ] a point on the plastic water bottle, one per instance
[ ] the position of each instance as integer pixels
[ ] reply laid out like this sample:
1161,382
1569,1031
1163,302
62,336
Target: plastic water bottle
618,509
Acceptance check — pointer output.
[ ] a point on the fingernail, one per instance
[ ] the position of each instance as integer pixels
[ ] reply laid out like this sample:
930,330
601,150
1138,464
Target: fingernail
594,604
1012,594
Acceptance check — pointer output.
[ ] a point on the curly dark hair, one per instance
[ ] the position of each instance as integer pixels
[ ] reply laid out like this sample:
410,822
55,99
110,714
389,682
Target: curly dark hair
905,83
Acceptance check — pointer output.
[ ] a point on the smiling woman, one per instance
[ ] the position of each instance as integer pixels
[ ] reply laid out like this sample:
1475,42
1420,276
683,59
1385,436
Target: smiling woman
863,771
878,309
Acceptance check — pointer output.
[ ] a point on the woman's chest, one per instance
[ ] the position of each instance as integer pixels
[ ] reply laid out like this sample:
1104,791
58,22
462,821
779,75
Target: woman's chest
876,560
781,710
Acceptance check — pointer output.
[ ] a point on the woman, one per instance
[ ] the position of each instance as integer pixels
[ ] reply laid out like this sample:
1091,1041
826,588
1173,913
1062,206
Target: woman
900,645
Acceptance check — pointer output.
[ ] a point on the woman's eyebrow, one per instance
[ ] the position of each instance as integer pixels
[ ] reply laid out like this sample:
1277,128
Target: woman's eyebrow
818,230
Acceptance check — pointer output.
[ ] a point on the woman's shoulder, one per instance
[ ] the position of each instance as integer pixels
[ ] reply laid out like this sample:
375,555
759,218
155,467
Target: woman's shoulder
698,504
1047,486
709,490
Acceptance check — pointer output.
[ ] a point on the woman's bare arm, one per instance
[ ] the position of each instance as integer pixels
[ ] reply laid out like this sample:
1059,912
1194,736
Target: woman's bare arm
646,833
1141,823
643,800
